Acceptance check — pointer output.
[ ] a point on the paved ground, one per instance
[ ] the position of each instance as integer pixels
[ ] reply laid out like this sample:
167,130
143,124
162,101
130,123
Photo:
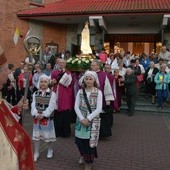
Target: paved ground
141,142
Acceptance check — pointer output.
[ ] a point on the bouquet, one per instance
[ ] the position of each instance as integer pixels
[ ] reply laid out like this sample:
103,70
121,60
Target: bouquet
79,64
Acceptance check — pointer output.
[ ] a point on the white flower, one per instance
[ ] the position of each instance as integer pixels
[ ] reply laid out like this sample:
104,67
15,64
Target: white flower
79,62
69,59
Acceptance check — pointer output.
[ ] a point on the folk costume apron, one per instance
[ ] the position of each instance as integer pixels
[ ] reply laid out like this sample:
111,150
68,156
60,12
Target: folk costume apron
43,129
92,131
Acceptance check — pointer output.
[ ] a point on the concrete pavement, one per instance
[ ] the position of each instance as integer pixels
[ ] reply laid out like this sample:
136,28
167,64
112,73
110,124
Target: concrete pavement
141,142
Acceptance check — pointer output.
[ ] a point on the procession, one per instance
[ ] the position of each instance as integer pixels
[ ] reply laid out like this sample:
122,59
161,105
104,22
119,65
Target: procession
100,103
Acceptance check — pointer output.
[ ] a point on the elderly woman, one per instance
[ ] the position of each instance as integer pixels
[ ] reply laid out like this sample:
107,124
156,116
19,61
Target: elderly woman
140,76
162,79
159,64
122,69
130,85
112,61
149,81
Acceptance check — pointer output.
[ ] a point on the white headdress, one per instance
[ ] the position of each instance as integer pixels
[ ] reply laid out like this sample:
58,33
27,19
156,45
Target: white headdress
43,77
92,74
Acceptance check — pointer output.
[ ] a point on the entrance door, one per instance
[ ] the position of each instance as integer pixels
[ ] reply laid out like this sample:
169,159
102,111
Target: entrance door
138,48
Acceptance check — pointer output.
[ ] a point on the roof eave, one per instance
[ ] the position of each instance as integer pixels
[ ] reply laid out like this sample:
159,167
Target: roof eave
92,13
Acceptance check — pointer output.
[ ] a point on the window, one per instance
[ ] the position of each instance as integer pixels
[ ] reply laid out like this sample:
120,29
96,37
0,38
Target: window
37,1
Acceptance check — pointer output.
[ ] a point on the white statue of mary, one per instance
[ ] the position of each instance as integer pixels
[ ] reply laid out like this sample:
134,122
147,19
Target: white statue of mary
85,40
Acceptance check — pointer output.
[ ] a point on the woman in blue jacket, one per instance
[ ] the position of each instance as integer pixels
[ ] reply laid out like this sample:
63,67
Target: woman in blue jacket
162,79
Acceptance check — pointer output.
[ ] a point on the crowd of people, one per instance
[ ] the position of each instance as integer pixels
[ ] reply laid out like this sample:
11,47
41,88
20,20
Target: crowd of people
55,94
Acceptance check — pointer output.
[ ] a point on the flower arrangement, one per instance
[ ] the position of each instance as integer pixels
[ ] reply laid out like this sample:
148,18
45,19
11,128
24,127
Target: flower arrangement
78,63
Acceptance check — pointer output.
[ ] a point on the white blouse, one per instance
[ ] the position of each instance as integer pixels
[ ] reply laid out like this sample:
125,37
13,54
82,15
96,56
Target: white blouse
122,72
113,64
150,73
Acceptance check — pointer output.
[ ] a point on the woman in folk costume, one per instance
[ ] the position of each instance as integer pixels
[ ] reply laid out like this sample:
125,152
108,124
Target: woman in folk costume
88,106
42,107
15,143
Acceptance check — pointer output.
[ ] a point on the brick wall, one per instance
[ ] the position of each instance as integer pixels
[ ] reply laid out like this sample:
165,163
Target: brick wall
9,22
56,33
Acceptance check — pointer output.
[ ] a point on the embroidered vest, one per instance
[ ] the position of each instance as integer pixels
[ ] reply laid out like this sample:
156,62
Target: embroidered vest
80,130
92,101
42,102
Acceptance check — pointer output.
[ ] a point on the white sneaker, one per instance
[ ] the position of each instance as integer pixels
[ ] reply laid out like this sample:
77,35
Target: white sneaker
36,156
50,154
81,160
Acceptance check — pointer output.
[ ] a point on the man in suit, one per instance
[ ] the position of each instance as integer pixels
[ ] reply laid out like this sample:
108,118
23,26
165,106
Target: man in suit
131,90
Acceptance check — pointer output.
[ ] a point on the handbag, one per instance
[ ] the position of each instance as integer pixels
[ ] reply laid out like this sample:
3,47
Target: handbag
95,125
140,78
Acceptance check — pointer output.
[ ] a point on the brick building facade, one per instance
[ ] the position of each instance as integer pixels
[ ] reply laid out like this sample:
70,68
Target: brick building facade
61,21
9,21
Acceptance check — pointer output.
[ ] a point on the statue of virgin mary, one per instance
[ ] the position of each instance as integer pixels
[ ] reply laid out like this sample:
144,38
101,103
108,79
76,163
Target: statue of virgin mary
85,40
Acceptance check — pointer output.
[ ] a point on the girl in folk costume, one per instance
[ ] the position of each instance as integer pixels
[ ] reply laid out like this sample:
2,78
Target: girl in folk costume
44,103
88,106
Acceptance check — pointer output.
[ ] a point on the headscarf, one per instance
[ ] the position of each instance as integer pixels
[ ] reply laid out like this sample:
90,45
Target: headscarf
43,77
88,73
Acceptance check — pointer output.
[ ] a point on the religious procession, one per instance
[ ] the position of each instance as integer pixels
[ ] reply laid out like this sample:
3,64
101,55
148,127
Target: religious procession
74,98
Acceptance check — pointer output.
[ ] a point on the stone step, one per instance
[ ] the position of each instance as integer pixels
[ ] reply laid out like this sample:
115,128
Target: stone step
146,103
147,108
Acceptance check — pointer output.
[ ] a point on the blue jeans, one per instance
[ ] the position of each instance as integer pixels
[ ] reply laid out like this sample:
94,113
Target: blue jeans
162,96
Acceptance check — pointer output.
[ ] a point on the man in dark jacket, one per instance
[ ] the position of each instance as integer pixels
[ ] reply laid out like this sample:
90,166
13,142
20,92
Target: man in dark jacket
130,85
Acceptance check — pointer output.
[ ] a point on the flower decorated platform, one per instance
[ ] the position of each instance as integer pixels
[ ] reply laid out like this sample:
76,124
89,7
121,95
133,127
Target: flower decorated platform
79,64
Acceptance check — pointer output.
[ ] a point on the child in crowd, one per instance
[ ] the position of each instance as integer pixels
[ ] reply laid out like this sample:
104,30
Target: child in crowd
88,106
42,107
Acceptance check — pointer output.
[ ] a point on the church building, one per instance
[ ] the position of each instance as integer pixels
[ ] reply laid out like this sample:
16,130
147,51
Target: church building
120,25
